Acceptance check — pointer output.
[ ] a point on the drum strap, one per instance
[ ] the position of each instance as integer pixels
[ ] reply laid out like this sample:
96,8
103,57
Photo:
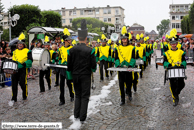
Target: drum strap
171,58
120,52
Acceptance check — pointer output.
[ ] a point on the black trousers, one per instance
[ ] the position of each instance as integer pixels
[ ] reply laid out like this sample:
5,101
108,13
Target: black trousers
21,78
141,72
82,86
2,79
176,85
110,64
62,88
57,78
125,78
145,63
47,74
135,81
105,64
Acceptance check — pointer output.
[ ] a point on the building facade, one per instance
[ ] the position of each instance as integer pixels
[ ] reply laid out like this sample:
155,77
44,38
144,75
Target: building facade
152,35
114,15
136,29
177,12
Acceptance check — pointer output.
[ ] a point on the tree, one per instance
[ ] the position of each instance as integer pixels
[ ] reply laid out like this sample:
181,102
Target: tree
1,7
53,19
191,18
186,25
28,14
93,25
163,27
5,35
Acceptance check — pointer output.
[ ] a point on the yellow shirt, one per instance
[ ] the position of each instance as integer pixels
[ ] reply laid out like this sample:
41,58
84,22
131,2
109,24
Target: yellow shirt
125,53
174,56
63,53
20,55
104,51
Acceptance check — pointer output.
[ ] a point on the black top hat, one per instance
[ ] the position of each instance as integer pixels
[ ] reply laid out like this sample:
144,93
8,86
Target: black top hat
83,31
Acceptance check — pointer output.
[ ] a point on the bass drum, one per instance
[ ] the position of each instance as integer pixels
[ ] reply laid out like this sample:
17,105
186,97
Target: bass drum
40,57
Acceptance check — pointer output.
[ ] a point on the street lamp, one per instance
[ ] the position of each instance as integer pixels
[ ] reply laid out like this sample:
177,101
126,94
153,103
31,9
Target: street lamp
12,22
103,28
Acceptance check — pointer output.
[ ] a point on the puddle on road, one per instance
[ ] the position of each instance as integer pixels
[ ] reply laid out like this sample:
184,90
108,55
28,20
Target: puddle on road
155,89
186,105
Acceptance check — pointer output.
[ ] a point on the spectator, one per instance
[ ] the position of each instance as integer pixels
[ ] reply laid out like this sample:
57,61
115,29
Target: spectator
32,45
8,53
39,44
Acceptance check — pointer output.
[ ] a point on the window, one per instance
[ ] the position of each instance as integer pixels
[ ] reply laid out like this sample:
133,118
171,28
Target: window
109,19
70,13
97,11
173,17
177,8
105,11
186,8
182,17
177,17
74,12
116,11
173,8
60,12
178,25
63,13
173,25
105,19
109,11
90,12
70,20
81,12
117,20
63,20
181,8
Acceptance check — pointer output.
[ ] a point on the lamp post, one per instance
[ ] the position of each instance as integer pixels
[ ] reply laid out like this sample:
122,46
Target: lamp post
1,32
12,22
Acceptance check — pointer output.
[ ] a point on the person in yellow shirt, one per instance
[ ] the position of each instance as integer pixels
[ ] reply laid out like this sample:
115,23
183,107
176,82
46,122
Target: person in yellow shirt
23,57
175,58
64,74
125,57
103,57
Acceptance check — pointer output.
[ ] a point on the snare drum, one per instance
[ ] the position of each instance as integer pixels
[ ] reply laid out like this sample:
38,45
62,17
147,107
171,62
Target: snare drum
41,57
10,67
176,73
159,61
139,62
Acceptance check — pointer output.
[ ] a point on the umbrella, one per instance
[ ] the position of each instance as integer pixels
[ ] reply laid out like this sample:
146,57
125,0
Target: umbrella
13,41
89,37
188,35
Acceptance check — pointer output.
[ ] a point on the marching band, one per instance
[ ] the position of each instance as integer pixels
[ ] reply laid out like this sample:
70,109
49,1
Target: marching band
80,61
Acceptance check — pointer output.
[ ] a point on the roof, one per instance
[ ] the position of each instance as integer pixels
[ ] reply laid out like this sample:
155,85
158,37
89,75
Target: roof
92,8
153,32
178,5
36,30
136,25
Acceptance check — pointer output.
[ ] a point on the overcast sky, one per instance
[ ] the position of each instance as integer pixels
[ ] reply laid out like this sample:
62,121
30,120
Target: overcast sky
148,13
